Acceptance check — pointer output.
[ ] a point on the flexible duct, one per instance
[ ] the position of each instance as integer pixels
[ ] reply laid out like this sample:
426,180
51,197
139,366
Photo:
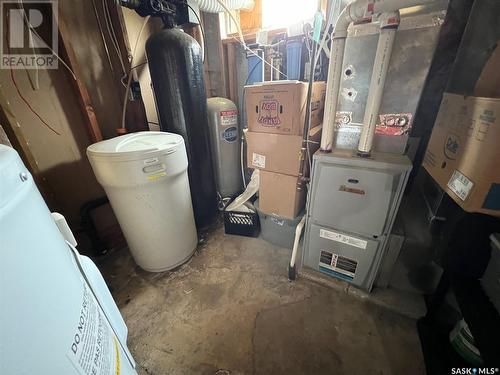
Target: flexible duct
355,11
213,6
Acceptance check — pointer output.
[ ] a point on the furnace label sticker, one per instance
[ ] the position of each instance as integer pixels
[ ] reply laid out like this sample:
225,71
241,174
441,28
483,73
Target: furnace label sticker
229,118
258,160
460,185
343,238
94,348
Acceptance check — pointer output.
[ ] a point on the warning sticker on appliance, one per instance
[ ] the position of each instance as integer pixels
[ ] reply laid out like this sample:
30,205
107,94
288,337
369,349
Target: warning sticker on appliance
460,185
229,118
343,238
258,160
394,123
94,348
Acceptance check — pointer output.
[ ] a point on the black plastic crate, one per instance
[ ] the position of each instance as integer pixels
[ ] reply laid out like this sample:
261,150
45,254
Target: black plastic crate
241,223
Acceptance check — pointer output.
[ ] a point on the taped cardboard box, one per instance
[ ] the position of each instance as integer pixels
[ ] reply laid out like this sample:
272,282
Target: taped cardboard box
278,194
280,108
279,153
463,154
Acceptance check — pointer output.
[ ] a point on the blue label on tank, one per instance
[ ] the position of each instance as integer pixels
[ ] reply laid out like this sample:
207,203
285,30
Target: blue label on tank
230,135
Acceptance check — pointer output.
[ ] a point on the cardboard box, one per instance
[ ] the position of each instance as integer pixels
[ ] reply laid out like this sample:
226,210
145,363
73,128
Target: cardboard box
278,194
280,108
278,153
463,154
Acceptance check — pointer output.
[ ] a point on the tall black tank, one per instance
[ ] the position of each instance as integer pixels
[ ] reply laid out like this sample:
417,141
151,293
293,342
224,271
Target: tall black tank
176,69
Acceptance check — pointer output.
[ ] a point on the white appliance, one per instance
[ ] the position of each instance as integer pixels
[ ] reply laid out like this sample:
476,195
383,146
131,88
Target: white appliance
145,177
57,315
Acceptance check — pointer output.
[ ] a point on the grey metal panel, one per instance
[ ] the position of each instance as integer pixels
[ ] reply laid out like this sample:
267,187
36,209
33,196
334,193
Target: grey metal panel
378,160
356,194
365,258
410,62
352,199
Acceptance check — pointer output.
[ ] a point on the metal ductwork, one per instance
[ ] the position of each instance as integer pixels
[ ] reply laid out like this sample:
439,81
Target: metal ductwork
214,6
357,11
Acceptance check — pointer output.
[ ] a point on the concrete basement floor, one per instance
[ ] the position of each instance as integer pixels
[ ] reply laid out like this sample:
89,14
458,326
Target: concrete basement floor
232,310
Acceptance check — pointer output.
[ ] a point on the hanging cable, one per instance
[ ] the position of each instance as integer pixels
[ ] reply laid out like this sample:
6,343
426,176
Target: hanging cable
35,85
112,35
103,38
13,79
53,52
242,39
20,94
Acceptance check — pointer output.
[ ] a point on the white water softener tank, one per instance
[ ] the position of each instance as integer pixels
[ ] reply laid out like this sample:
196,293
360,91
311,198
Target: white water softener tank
225,145
56,313
145,177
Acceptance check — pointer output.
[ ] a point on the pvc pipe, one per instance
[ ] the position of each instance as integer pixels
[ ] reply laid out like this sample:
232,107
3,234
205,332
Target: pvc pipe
298,233
332,93
350,13
389,23
213,6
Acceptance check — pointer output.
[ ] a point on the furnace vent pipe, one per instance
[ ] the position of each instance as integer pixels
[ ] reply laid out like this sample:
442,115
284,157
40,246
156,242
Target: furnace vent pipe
356,11
389,23
213,6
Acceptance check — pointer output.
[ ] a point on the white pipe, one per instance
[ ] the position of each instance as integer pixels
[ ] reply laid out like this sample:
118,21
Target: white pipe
213,6
350,13
298,233
332,93
388,27
355,11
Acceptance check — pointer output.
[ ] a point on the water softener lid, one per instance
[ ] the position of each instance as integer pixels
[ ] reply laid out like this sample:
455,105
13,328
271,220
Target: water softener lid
136,145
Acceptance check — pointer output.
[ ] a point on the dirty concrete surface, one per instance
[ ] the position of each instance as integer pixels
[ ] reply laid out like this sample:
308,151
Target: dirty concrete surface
232,310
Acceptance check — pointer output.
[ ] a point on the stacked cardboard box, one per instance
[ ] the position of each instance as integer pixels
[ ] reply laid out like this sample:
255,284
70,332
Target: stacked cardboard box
276,113
463,153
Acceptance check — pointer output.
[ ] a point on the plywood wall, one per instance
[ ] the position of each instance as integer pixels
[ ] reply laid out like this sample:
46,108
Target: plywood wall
60,159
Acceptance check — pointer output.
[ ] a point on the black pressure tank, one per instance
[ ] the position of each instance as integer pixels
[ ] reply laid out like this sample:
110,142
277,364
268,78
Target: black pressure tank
176,69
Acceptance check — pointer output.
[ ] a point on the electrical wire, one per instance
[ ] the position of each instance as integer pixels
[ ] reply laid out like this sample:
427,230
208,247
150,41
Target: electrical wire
53,52
112,35
243,138
20,94
130,71
242,39
103,38
130,75
13,79
36,85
